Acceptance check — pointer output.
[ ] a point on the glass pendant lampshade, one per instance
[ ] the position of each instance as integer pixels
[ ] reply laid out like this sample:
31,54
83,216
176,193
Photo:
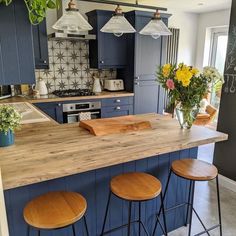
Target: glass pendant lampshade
72,21
156,27
118,24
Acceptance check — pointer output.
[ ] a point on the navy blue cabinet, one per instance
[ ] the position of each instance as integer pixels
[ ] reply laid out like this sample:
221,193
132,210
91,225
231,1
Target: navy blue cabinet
16,45
111,107
114,107
115,111
52,109
145,56
40,40
107,51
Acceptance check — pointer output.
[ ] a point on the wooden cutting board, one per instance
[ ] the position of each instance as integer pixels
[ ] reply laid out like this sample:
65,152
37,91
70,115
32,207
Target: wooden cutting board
115,125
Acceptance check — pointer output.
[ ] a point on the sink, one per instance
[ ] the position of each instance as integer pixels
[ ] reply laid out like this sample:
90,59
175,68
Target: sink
29,113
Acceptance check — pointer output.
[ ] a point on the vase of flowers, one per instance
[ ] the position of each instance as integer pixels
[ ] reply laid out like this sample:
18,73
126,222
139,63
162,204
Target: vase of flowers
9,121
186,88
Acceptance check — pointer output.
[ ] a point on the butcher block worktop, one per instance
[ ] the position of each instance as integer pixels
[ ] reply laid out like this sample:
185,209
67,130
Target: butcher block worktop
53,98
47,150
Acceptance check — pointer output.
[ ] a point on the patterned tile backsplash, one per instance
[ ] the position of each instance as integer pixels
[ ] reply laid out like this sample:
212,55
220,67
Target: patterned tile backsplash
69,66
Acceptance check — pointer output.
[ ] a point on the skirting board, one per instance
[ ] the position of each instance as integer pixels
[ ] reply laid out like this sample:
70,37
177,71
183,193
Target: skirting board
227,183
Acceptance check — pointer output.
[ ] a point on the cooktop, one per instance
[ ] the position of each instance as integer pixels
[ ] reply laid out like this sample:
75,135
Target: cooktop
73,93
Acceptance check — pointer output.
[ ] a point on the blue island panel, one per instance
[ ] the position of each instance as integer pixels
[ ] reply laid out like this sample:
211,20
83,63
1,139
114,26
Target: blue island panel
94,186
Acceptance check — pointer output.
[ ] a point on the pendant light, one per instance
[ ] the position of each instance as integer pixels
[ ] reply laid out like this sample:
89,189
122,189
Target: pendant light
118,24
156,27
72,21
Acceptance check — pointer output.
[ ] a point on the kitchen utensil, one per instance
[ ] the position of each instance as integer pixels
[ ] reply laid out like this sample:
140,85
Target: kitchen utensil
97,88
115,125
41,87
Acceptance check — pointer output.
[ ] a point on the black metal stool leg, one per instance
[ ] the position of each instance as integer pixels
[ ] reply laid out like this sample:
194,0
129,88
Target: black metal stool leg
188,206
39,232
191,209
139,223
86,226
105,218
73,228
164,215
219,207
129,219
166,188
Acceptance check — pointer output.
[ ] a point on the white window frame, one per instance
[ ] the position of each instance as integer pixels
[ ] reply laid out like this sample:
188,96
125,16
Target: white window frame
215,33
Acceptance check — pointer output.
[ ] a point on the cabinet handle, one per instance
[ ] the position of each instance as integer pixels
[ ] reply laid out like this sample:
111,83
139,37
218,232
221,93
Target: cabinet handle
136,83
59,104
102,62
117,108
118,100
45,62
137,78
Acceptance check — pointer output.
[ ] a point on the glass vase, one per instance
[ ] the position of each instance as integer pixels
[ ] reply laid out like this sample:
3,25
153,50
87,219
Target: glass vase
186,116
7,139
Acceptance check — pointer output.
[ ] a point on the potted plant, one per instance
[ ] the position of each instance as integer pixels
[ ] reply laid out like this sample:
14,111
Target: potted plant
36,9
186,88
9,121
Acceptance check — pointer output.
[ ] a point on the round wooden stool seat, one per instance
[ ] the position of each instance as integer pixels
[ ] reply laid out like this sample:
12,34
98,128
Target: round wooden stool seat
55,210
135,186
194,169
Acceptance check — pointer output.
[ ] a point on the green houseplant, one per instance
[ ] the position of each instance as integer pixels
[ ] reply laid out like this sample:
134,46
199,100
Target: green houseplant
9,121
36,8
186,88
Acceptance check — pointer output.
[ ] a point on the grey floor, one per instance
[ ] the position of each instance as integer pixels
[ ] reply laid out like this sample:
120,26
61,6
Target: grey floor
205,203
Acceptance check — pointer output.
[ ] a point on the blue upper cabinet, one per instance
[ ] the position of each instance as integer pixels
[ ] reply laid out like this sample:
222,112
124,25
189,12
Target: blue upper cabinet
107,51
16,45
40,40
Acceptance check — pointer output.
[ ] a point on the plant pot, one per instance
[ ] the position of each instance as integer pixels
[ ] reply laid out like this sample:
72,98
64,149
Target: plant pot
7,139
186,116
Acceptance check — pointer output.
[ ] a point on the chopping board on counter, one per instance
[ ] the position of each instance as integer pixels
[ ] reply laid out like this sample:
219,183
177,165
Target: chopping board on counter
123,124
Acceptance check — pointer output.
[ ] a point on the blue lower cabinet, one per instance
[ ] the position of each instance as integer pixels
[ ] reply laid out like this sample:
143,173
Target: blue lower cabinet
116,111
94,186
52,109
120,106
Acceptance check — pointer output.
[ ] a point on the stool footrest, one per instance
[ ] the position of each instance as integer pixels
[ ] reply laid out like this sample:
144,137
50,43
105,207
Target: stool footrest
207,230
126,225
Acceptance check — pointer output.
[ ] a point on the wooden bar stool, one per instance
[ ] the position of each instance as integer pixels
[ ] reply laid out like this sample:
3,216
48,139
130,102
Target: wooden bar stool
195,170
55,210
135,187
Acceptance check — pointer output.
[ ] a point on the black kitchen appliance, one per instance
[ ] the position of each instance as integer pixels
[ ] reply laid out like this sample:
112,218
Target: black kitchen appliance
5,91
73,93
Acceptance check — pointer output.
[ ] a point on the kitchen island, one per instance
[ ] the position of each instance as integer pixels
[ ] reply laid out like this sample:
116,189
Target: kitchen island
49,156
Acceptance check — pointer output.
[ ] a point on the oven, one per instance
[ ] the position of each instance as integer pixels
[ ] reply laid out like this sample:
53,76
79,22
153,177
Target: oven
75,112
5,91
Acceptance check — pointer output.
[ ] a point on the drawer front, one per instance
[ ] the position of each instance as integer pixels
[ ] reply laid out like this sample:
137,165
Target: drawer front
119,101
115,111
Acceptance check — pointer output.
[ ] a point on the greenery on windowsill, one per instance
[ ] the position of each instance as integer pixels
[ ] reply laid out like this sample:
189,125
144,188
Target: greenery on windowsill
36,8
9,118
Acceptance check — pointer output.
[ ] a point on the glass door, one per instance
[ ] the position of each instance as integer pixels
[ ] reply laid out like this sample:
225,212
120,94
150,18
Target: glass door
217,60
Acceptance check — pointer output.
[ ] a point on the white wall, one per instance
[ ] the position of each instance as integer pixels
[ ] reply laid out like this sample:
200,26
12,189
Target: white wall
187,22
205,23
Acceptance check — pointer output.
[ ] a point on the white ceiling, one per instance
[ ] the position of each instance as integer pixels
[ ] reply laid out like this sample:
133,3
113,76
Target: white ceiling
197,6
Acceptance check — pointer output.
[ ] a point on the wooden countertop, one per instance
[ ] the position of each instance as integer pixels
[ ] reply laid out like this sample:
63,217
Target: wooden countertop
52,98
48,150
